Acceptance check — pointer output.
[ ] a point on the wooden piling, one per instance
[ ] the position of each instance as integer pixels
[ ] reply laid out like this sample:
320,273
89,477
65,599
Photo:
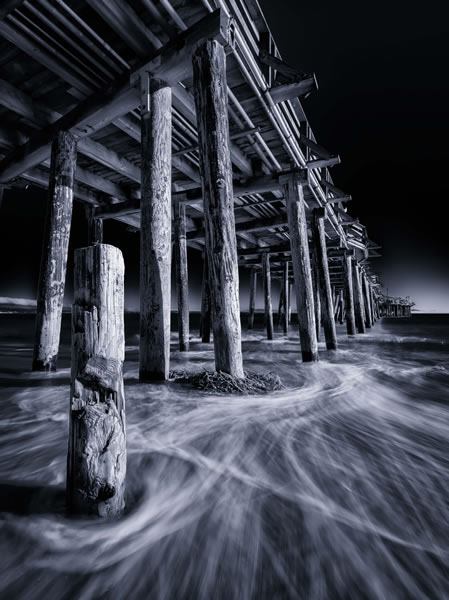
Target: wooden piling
182,281
53,268
327,307
349,294
366,301
210,87
96,463
267,294
358,299
155,230
205,320
316,294
94,227
252,297
285,289
294,194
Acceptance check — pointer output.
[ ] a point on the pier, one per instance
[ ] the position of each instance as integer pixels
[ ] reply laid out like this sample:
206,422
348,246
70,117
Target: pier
183,122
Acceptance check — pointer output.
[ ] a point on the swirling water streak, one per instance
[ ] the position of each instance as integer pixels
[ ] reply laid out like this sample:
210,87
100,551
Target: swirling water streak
333,488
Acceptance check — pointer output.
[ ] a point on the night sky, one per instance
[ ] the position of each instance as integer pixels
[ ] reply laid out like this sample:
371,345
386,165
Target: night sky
382,104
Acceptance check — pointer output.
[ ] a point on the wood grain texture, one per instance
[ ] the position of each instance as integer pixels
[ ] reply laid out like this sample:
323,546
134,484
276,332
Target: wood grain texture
205,320
286,291
182,278
297,224
358,298
94,227
54,252
367,301
349,295
266,275
252,297
96,463
327,305
209,76
155,235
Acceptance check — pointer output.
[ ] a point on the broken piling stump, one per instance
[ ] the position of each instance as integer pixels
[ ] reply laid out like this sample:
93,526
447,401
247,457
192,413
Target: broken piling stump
96,462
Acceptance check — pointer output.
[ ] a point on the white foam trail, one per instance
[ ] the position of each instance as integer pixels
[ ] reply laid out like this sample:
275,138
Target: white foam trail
334,489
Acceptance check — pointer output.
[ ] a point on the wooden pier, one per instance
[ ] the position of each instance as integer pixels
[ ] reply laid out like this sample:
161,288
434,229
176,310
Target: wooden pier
181,120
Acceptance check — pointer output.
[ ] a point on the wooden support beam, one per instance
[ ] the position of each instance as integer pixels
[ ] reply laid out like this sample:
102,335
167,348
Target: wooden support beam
315,148
268,59
316,292
349,293
170,62
358,298
267,294
205,321
321,163
252,297
327,308
209,77
96,464
245,226
54,253
182,279
155,233
294,89
338,199
293,191
367,302
286,291
94,227
235,136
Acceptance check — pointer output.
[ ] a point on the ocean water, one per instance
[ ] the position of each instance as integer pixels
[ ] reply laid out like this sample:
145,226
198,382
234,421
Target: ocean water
336,487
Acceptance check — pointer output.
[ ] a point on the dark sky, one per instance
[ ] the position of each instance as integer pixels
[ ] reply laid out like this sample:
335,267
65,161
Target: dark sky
382,104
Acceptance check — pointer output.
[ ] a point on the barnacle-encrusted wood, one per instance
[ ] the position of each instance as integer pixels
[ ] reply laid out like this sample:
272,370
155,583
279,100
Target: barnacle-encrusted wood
96,463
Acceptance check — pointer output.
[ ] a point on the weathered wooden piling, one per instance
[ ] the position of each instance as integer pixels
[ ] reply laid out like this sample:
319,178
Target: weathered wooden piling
210,86
252,297
358,299
155,232
349,293
327,306
294,195
316,294
266,275
94,227
285,290
205,319
182,280
96,462
53,268
366,301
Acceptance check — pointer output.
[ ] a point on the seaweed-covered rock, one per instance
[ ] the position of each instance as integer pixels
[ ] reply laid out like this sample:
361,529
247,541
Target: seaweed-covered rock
222,383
